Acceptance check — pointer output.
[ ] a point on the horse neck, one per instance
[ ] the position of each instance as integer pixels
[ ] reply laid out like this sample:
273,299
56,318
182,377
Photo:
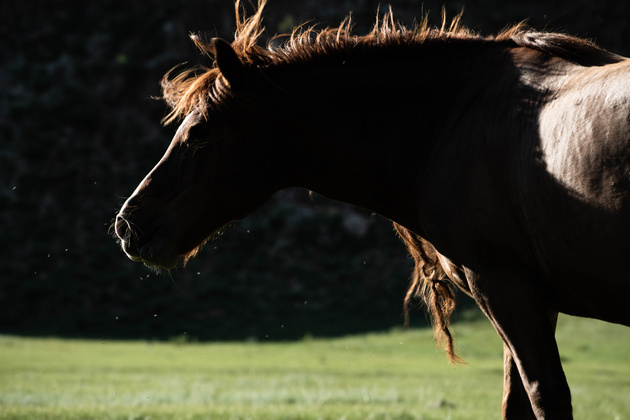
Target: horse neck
363,133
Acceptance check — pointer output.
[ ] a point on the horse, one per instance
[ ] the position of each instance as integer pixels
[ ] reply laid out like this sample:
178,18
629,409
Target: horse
503,162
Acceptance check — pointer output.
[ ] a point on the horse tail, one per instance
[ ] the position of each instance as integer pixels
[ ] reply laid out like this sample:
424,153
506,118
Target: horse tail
428,284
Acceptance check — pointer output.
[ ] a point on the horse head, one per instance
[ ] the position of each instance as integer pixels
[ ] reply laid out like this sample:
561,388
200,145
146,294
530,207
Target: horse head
217,169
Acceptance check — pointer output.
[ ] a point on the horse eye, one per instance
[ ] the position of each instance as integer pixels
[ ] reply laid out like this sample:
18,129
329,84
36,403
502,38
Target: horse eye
197,132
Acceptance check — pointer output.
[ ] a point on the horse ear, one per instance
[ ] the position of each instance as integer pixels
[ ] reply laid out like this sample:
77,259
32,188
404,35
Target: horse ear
228,62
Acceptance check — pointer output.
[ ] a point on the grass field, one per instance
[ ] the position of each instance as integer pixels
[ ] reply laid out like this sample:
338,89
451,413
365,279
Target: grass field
394,375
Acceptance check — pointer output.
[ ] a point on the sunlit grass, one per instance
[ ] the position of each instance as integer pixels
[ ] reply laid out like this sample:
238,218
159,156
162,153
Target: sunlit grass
395,375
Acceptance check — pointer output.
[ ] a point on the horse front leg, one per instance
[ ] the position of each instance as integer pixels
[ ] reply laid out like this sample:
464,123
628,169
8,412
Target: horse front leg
516,403
519,314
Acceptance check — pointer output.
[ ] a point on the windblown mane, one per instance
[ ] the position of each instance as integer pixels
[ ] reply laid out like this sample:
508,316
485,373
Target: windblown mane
191,89
199,88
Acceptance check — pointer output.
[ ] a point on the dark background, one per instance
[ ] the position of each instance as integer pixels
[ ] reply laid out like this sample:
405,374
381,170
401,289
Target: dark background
79,130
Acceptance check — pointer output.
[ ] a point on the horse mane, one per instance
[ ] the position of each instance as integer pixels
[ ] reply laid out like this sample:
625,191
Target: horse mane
201,87
191,89
429,286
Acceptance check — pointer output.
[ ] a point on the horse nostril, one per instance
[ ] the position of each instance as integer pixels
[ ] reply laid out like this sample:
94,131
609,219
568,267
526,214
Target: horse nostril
122,227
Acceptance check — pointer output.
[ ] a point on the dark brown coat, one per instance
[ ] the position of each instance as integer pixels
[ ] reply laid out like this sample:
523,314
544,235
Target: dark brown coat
504,163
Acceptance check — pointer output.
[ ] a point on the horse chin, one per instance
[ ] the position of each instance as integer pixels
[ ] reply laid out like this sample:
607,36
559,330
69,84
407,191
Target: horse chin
158,255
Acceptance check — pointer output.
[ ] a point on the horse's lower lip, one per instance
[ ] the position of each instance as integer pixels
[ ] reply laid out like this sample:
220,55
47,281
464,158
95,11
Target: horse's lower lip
130,250
134,258
157,252
155,255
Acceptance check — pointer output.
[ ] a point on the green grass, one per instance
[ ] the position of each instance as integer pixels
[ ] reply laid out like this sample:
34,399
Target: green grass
395,375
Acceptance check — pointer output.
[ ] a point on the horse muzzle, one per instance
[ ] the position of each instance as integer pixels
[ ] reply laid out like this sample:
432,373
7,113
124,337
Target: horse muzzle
153,252
128,238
